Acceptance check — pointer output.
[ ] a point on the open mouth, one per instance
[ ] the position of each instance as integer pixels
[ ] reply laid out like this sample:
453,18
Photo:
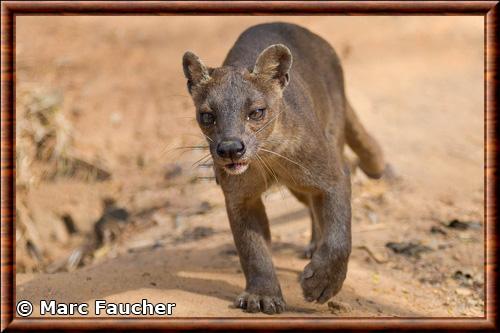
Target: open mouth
236,168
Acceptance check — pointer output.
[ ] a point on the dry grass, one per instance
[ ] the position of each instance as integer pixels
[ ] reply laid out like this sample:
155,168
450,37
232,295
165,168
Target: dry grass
44,152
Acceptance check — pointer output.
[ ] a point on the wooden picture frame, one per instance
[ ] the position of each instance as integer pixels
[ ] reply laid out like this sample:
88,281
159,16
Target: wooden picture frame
12,9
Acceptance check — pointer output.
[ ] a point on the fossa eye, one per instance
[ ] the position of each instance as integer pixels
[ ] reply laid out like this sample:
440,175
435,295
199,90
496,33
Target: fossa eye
207,118
257,114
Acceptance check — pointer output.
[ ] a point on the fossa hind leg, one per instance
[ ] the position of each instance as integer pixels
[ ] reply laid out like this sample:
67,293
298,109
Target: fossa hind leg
323,277
311,247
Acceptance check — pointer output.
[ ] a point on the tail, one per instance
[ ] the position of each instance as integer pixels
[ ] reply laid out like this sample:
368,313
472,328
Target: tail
371,157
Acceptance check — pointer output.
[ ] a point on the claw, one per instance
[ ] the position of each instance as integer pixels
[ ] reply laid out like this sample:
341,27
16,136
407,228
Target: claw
256,303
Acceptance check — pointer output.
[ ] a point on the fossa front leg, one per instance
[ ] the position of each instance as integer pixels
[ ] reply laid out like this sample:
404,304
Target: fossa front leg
252,237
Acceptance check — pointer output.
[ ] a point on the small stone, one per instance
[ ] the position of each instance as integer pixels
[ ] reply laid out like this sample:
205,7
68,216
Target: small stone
140,161
373,217
437,230
338,307
116,118
172,170
463,225
204,207
472,302
409,249
197,233
463,292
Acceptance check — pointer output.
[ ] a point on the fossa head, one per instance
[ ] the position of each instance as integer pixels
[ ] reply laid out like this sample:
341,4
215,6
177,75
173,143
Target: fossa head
236,107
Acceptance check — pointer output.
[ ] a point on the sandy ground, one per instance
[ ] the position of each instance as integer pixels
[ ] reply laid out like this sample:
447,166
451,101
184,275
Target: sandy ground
416,83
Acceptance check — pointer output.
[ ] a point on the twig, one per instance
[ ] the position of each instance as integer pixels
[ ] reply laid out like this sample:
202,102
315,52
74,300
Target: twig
371,254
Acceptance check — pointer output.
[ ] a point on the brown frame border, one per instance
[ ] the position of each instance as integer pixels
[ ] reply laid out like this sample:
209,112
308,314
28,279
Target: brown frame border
9,10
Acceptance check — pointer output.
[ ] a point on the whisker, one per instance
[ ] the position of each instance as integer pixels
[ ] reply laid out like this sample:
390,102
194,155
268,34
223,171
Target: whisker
286,171
193,147
206,136
275,178
261,171
178,95
168,150
286,158
201,160
270,120
196,135
270,170
207,178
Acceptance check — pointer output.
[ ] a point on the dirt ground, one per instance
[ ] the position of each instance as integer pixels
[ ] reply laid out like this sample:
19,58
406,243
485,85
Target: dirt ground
416,83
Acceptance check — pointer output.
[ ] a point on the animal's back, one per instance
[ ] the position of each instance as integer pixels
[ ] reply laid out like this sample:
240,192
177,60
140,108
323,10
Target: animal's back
316,75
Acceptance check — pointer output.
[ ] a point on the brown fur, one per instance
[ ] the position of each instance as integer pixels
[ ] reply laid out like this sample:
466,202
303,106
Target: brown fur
296,78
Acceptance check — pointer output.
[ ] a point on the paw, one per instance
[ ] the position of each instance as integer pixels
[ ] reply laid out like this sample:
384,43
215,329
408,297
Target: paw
309,250
321,280
260,303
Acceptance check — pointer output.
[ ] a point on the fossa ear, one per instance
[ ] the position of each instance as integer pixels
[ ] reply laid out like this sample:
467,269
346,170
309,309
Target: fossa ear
194,70
274,63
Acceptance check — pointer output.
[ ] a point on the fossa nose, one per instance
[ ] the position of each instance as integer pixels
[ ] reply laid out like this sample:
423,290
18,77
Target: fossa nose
231,148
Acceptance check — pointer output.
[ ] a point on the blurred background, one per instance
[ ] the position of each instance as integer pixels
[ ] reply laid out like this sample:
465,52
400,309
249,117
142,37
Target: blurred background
113,203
